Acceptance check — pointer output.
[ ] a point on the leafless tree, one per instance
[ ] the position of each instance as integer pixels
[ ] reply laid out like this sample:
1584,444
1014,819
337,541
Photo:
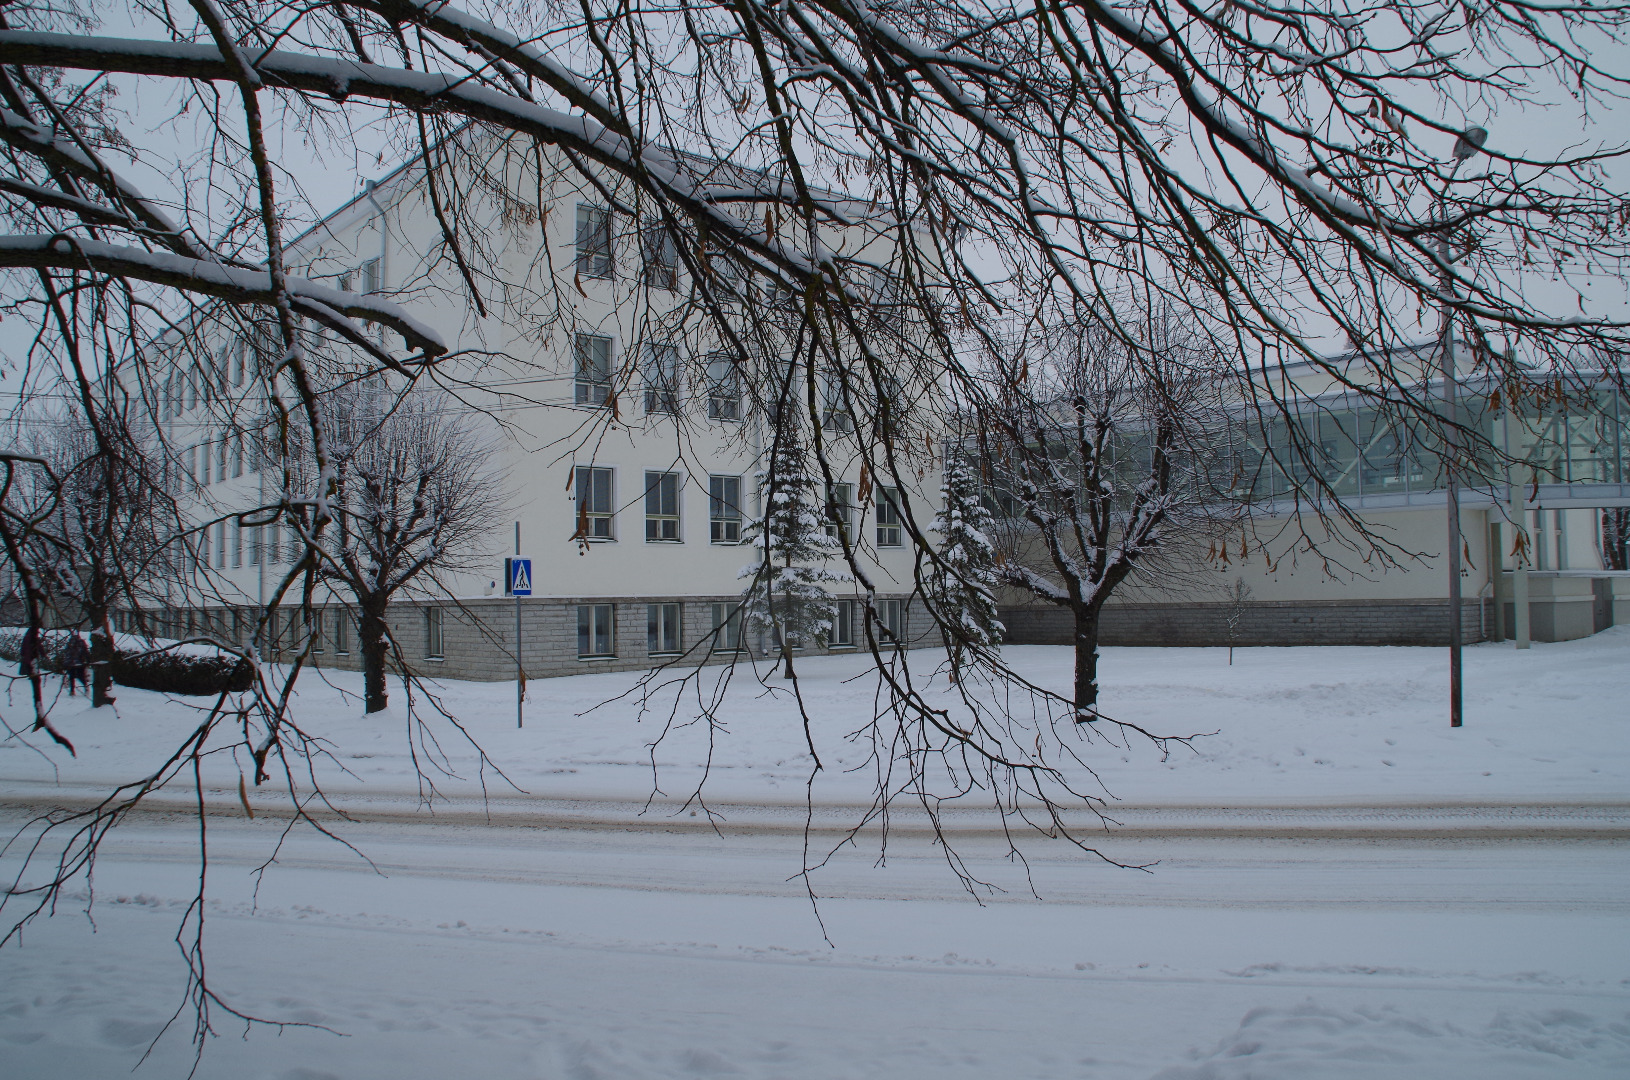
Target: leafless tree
1106,455
415,499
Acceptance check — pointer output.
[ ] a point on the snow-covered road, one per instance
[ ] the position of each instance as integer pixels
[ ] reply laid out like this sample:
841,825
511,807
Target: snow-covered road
630,951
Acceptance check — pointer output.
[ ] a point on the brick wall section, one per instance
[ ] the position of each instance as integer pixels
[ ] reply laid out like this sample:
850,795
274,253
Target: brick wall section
478,637
1329,622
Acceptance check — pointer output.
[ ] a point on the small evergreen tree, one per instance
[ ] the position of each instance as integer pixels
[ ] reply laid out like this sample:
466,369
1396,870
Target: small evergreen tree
963,584
785,593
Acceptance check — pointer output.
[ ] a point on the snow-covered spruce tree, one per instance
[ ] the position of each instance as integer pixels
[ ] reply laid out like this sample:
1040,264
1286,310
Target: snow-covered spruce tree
786,593
963,583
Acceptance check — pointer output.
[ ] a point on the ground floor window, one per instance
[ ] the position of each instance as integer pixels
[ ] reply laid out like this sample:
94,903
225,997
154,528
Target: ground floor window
726,627
843,624
596,635
892,614
342,632
434,644
662,629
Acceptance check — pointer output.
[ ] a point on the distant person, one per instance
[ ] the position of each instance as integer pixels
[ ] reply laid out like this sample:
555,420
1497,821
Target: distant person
29,655
75,656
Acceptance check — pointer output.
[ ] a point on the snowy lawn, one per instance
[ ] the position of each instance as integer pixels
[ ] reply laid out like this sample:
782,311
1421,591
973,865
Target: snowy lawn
1293,725
635,947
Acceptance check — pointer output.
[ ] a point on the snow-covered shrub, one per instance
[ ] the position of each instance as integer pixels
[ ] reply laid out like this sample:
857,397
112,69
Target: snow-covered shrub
169,672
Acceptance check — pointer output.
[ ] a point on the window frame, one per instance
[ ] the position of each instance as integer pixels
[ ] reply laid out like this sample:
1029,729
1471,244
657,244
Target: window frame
595,525
887,533
665,486
891,617
592,620
723,388
435,633
659,370
843,625
659,254
840,511
588,392
664,629
724,517
594,244
726,634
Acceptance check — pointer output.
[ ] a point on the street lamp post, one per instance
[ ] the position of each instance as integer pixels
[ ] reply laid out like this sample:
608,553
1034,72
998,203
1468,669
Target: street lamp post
1467,146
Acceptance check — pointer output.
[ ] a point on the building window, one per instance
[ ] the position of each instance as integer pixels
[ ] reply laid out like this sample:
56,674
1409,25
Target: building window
237,457
727,627
843,625
203,547
662,634
434,645
371,281
221,451
192,390
661,507
839,510
596,635
659,368
835,412
237,544
240,354
661,257
888,517
892,614
723,388
593,354
592,488
342,632
593,241
724,509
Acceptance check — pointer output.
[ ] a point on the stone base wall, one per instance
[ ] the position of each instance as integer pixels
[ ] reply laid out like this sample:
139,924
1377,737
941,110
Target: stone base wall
478,636
1338,622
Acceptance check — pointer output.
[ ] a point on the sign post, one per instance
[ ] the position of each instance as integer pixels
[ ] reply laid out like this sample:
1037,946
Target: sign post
518,583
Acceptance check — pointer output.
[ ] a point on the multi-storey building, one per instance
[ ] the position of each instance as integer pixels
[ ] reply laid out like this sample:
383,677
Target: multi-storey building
626,442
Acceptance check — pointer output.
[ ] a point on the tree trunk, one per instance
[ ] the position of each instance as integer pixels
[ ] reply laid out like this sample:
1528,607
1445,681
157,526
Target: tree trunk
1086,660
372,634
786,656
102,653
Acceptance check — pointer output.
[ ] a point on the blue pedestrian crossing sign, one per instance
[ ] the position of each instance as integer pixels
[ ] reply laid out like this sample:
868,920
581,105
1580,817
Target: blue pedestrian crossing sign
518,577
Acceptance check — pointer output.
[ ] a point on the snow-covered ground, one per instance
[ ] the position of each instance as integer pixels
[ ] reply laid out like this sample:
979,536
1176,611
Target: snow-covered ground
1343,887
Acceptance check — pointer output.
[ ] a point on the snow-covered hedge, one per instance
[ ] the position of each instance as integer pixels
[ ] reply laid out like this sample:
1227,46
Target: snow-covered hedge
169,672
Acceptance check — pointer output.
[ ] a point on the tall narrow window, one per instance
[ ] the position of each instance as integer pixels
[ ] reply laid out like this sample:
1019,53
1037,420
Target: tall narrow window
342,632
892,614
839,510
254,545
240,354
237,544
662,629
192,390
835,413
220,545
434,646
593,490
843,625
596,634
724,509
723,388
237,457
593,241
593,356
661,257
371,281
661,506
203,547
888,517
221,452
727,627
659,369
